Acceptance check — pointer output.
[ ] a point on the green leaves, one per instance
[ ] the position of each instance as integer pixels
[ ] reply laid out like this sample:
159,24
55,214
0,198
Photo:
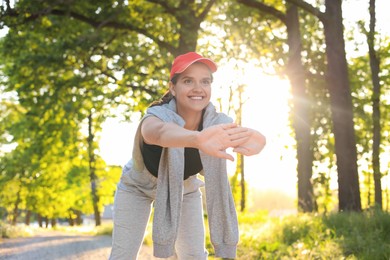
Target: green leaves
66,61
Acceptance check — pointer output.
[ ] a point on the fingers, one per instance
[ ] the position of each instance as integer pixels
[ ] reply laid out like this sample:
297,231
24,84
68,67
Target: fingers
216,139
225,155
238,142
232,135
238,136
242,151
236,130
228,126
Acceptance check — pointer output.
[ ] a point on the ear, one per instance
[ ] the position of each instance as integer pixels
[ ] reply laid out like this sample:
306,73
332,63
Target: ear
172,88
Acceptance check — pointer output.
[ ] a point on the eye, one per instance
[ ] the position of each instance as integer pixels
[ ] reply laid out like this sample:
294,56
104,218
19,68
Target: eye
206,82
188,81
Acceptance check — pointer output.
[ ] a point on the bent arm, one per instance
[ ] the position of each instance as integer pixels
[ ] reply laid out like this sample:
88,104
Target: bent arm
155,131
213,140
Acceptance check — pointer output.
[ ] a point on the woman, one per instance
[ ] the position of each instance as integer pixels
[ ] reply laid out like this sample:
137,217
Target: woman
179,137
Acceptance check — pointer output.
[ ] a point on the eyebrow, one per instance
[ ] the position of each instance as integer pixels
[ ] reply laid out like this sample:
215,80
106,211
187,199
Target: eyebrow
189,77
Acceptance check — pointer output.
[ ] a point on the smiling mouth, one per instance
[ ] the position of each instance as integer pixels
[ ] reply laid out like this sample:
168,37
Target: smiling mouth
196,98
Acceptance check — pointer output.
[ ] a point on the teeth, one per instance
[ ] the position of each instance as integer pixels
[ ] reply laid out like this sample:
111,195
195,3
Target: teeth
198,98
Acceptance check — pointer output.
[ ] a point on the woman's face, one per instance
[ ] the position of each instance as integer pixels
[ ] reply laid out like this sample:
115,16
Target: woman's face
193,88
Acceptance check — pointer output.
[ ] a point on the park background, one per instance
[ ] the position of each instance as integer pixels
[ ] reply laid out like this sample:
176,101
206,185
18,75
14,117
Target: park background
75,79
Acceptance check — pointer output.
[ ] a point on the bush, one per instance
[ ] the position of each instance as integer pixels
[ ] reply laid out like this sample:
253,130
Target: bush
9,231
308,236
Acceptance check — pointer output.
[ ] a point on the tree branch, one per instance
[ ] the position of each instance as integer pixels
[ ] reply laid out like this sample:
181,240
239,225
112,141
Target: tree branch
151,92
309,8
206,10
115,25
264,8
169,9
94,23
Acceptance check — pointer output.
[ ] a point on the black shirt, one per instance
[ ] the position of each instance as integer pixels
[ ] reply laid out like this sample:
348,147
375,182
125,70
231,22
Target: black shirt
152,154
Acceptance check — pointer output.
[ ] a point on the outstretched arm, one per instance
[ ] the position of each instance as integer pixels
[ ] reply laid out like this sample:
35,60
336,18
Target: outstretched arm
213,140
253,145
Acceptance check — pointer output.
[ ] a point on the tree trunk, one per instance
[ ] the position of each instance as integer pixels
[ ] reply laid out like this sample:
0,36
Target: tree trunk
70,219
28,217
15,212
300,111
40,221
46,219
240,157
188,34
376,116
341,107
243,187
53,222
92,174
79,219
189,19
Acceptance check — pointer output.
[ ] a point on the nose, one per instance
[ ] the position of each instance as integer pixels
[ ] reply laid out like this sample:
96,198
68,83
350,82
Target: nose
197,85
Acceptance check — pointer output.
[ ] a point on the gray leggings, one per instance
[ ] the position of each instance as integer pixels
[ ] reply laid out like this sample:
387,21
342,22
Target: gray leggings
132,208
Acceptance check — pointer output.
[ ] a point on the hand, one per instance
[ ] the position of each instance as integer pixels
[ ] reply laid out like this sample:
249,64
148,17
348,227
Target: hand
253,145
216,139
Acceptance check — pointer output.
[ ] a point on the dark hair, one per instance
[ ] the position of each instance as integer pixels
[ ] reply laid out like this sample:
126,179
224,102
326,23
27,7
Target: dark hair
167,95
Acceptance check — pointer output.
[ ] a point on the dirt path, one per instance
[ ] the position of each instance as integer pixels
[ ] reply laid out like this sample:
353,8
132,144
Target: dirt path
55,245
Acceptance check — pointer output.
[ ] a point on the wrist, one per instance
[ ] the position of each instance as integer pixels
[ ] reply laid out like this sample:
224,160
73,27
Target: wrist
195,139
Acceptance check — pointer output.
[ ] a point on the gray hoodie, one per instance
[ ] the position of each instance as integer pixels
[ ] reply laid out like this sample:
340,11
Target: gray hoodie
220,205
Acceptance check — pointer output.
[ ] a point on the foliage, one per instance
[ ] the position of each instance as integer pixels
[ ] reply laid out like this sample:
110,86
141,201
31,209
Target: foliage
308,236
10,231
365,236
362,92
62,71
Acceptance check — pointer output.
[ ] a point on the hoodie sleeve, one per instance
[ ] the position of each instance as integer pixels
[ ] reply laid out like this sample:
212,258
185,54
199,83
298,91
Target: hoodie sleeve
167,206
221,209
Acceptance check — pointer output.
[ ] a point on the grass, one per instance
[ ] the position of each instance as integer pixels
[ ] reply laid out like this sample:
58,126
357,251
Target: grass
363,236
21,230
9,231
104,229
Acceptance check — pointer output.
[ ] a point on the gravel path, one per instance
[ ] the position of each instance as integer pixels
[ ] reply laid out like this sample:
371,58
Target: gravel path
55,245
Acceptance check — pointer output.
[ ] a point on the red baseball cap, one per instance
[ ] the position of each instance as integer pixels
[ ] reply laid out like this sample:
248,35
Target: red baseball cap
182,62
